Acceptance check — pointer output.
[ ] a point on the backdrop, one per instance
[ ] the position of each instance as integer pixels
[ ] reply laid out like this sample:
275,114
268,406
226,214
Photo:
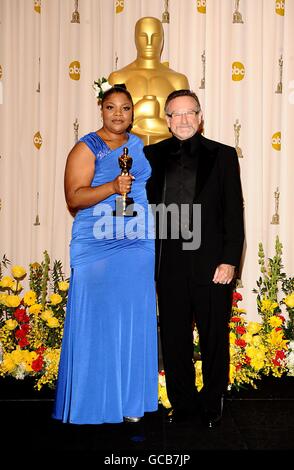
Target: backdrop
238,56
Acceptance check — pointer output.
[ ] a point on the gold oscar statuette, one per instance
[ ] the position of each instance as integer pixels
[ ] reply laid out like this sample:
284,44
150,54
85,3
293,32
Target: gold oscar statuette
149,81
276,217
37,219
202,83
124,204
237,128
165,14
76,129
38,88
280,83
237,17
75,17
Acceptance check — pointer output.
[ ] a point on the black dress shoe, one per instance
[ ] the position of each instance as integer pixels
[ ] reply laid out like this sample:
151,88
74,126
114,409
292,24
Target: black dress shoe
211,419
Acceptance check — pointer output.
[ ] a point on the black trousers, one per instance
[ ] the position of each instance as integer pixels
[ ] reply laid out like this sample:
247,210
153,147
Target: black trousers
181,302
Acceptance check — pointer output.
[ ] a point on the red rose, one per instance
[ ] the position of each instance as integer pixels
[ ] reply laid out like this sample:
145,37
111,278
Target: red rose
235,319
25,327
237,296
23,342
241,330
280,354
37,364
247,360
240,342
20,333
21,315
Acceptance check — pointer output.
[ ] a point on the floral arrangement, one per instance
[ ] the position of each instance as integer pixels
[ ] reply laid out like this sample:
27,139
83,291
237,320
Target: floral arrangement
162,392
246,348
101,86
276,331
31,324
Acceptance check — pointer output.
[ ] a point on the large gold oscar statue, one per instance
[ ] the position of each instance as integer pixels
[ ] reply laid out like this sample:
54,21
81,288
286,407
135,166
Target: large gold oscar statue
149,81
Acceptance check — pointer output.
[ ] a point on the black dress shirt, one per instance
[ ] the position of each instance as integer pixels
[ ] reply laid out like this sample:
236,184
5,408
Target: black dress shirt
180,185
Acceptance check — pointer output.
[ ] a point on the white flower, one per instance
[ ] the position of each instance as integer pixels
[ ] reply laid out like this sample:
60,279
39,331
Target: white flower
101,86
105,86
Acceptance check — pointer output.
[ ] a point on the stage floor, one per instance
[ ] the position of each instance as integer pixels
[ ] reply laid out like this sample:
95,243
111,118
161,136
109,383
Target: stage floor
253,420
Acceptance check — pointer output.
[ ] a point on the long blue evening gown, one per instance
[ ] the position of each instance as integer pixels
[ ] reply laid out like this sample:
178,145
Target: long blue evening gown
108,367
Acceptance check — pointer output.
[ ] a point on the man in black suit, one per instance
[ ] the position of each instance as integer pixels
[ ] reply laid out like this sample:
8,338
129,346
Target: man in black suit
197,179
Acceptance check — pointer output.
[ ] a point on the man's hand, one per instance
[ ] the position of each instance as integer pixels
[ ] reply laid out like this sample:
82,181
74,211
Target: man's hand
224,274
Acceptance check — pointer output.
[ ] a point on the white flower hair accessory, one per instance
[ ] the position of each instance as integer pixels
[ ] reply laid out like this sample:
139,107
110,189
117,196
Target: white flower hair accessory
101,86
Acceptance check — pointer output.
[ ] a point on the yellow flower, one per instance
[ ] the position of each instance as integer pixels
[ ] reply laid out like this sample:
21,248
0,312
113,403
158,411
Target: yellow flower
268,305
275,321
12,301
30,298
63,286
239,310
18,272
46,315
53,322
6,282
253,327
255,353
232,337
199,378
275,338
257,340
8,365
289,300
3,298
55,299
35,309
17,355
247,337
11,324
257,363
232,373
162,396
233,352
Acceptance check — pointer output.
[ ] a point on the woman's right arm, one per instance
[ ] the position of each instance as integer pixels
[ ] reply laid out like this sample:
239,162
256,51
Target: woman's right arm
79,173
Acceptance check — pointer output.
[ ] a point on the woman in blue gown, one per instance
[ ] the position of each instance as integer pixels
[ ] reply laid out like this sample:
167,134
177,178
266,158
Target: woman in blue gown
108,369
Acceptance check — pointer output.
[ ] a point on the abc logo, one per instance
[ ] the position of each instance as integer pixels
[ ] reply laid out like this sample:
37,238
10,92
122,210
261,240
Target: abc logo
37,6
75,70
201,6
119,6
238,71
280,7
276,141
38,140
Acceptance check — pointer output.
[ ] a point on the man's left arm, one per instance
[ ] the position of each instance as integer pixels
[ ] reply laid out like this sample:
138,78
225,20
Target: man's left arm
233,223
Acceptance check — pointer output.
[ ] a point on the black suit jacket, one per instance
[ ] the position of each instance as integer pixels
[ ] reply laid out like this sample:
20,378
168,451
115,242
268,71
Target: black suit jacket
217,189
